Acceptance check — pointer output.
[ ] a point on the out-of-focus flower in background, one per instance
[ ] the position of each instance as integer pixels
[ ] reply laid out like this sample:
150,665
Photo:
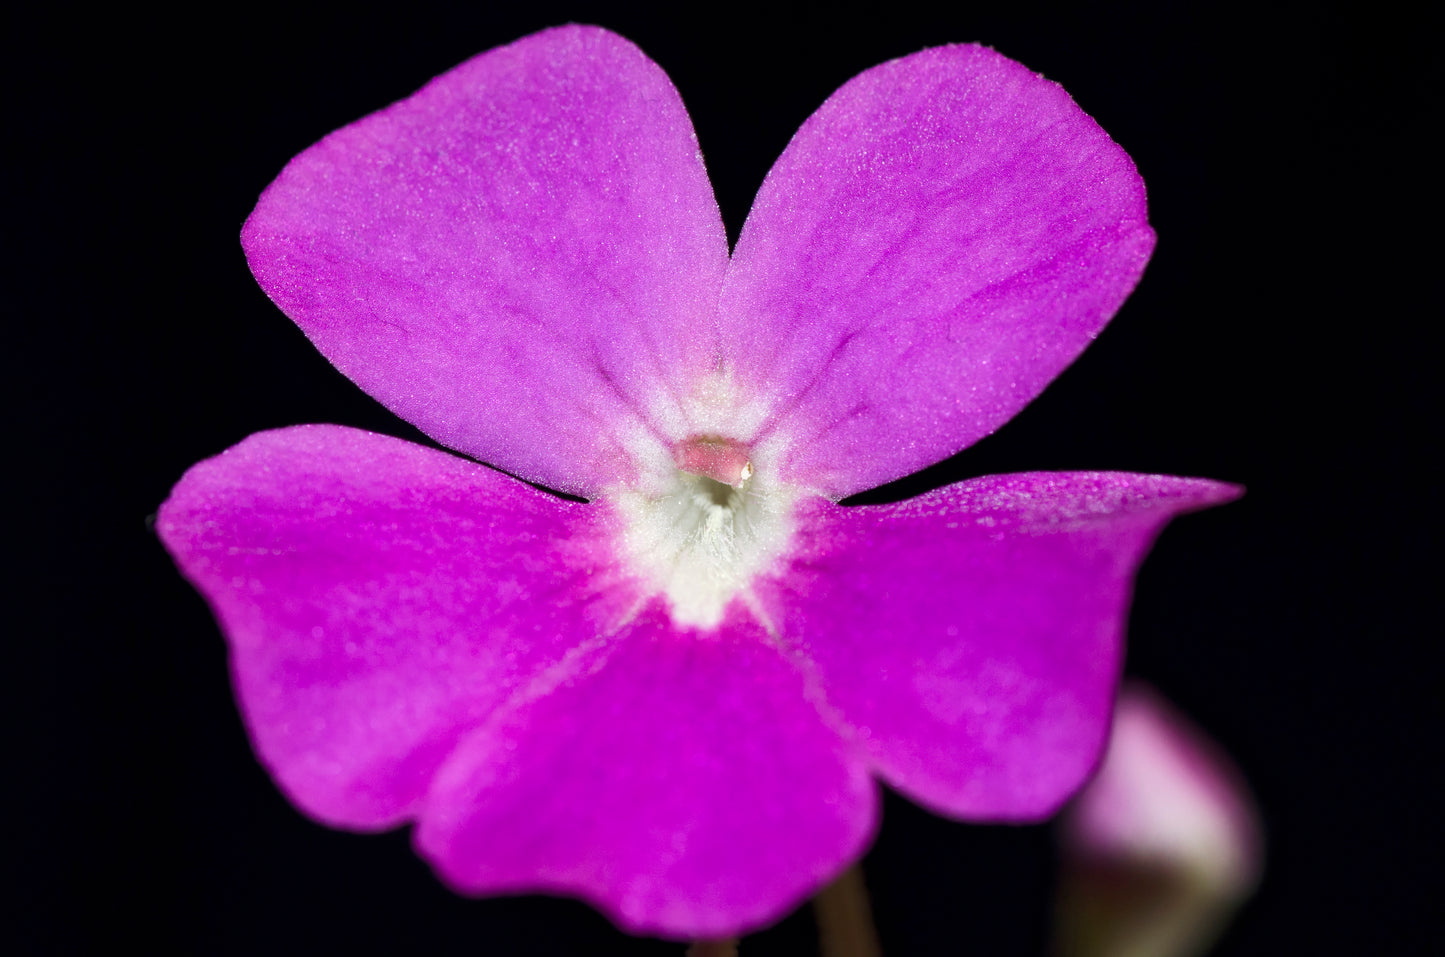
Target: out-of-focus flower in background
1162,846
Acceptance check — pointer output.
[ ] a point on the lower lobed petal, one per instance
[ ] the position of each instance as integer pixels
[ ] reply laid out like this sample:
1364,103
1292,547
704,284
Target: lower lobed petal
414,636
380,599
687,788
972,637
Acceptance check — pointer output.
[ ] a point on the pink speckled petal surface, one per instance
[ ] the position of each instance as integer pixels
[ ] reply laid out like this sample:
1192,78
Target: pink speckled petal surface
972,636
381,599
938,241
518,259
687,788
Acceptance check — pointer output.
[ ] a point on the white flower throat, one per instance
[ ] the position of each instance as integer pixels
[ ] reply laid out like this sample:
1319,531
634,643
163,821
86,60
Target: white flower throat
707,529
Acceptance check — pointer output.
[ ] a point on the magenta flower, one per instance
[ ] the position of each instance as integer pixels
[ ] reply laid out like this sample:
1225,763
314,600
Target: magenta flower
673,700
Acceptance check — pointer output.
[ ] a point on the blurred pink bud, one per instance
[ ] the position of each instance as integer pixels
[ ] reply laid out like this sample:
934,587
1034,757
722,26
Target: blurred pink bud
1161,846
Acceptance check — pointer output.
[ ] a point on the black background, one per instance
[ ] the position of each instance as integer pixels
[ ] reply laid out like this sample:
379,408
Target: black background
1279,339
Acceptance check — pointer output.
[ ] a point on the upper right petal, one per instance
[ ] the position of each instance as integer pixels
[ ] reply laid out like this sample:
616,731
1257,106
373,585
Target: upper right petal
938,241
519,259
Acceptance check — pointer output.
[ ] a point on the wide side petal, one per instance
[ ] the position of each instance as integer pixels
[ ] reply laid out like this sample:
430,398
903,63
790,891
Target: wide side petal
687,789
517,259
939,240
972,636
380,599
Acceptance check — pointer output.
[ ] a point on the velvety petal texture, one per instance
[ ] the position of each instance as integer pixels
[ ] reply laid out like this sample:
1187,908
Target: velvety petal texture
380,599
939,240
672,700
688,788
972,636
516,259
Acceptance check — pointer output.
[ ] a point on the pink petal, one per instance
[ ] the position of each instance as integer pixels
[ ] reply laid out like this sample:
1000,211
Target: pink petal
380,599
688,789
939,240
972,636
515,259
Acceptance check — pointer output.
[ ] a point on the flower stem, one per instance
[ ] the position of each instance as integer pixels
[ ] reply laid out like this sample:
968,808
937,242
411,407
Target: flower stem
714,948
845,918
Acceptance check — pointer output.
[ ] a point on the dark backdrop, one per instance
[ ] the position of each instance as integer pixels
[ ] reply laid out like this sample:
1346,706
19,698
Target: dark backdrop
1277,340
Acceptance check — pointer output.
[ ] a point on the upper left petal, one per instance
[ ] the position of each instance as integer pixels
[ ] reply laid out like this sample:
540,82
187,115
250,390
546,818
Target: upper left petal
380,599
517,259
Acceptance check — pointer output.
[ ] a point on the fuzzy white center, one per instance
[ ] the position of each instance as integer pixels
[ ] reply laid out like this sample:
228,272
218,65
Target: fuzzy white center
700,541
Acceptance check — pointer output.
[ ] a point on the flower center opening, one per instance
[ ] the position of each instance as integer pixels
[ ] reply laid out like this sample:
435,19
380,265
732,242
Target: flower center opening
713,457
706,528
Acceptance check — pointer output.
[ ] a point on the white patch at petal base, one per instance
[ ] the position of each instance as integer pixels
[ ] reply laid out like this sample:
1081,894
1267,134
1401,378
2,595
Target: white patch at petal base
699,542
